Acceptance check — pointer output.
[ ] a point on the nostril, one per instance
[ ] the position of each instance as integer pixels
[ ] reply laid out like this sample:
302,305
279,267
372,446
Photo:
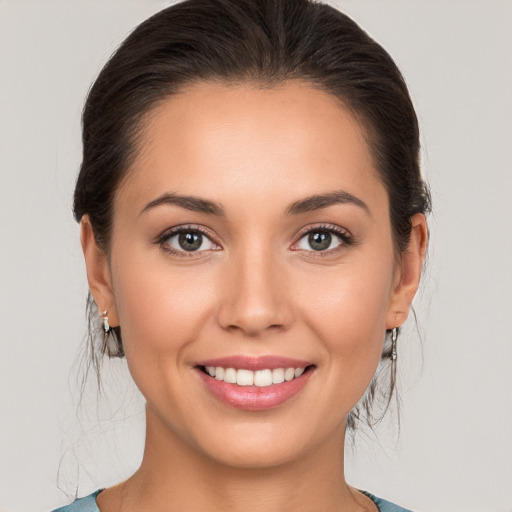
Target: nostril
253,304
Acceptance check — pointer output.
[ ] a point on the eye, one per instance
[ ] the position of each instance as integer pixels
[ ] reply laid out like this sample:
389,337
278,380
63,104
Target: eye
319,241
186,240
323,239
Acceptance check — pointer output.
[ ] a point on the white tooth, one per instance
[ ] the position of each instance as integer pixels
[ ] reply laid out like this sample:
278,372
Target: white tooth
244,377
289,373
299,371
230,375
211,370
219,373
277,375
263,378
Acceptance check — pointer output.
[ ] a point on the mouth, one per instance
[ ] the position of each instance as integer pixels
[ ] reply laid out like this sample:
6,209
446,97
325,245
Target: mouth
254,384
259,378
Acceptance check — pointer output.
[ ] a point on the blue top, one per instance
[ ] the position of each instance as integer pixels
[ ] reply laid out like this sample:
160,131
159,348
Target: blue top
88,504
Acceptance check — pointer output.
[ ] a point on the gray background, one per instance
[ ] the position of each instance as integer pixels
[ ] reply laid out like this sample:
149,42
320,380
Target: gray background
454,452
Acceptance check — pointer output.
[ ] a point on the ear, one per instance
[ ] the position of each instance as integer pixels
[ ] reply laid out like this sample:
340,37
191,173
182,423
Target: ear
408,273
98,272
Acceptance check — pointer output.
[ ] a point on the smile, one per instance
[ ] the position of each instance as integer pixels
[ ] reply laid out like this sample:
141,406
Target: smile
260,378
254,383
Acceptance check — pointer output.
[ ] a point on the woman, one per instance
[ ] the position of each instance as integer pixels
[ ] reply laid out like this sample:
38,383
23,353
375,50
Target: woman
253,225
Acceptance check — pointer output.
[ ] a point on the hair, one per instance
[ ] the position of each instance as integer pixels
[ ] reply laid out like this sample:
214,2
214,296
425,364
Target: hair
262,43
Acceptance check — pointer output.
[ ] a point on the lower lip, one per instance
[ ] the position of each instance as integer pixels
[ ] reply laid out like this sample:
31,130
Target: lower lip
254,398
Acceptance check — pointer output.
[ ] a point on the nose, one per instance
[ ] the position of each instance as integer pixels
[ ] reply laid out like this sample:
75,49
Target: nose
254,298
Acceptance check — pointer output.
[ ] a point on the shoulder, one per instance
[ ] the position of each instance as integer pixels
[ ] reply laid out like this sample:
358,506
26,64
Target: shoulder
86,504
385,506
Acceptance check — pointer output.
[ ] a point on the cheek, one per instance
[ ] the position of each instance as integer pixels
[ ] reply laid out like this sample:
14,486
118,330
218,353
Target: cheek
350,301
160,308
350,320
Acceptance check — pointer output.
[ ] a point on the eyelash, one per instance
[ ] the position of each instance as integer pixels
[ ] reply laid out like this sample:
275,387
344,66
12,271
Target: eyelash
344,236
162,240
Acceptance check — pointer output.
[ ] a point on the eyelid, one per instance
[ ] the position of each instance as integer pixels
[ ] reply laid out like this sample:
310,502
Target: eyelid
343,234
176,230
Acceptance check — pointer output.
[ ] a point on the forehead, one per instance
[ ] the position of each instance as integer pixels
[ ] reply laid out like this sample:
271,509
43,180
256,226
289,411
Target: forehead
269,143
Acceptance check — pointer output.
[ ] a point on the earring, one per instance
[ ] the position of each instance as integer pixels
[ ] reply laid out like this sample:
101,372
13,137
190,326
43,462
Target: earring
111,344
106,325
394,337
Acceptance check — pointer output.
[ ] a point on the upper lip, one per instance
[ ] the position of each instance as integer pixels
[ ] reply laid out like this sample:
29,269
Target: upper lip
254,363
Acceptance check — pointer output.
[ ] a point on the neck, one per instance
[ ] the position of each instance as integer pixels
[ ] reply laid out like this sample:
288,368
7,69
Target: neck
175,476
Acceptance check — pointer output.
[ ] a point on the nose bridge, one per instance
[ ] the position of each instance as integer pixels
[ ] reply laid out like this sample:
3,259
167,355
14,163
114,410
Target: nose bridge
255,297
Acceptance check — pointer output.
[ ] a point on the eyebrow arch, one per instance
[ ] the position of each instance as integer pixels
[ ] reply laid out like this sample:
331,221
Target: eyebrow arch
320,201
195,204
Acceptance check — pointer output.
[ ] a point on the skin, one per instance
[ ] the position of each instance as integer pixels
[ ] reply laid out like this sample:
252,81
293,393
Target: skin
257,289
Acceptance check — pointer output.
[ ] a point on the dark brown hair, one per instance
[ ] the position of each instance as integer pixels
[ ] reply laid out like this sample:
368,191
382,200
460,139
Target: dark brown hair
264,43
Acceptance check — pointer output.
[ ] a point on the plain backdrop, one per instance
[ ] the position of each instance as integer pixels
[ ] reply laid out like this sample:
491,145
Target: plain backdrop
454,451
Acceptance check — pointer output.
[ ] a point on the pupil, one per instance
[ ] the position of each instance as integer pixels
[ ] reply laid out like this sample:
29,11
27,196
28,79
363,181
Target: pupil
190,241
320,240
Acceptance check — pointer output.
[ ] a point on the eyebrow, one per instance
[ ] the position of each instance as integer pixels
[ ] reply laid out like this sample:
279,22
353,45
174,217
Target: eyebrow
195,204
308,204
319,201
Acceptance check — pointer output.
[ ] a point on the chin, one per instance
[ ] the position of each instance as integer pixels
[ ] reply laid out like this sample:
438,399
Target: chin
267,444
253,455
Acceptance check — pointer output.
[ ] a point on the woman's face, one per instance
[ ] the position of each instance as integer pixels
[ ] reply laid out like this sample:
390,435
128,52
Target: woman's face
252,236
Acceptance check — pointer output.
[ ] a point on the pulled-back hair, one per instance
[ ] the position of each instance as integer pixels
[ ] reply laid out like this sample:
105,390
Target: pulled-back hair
263,43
